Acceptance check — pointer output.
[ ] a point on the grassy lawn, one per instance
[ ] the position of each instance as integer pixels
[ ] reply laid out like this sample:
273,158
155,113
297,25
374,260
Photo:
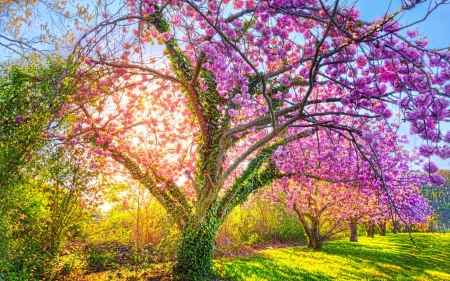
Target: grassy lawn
392,257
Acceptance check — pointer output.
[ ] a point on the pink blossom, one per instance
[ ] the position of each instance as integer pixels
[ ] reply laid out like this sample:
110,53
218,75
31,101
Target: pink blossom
368,137
426,150
437,180
165,36
149,10
233,112
100,141
210,31
412,33
430,167
285,81
361,61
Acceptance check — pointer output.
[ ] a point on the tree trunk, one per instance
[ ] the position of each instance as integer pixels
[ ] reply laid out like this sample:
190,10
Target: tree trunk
312,233
370,230
353,231
395,227
195,251
381,228
314,243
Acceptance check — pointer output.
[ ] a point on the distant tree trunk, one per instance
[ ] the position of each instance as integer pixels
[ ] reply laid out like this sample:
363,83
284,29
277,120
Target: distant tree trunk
395,230
370,230
408,228
381,228
353,231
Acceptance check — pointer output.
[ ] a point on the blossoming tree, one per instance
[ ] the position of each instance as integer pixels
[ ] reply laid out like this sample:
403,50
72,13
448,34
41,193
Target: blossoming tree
197,116
331,187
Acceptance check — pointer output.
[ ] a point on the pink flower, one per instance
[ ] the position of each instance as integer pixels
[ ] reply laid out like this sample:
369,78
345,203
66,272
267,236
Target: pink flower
285,181
212,6
368,137
285,81
149,10
249,4
88,61
361,61
447,137
412,33
437,180
100,141
233,112
72,142
210,31
426,150
165,36
94,165
430,167
403,102
62,138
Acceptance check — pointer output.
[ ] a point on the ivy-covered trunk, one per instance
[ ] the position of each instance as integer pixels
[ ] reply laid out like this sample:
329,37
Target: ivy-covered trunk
353,231
195,251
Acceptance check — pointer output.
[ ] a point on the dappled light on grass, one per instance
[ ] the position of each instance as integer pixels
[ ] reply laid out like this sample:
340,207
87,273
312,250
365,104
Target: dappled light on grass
393,257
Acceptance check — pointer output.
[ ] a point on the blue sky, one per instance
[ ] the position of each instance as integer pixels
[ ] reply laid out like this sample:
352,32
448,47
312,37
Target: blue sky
436,27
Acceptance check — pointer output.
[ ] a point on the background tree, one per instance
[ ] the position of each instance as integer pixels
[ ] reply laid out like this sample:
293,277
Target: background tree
439,200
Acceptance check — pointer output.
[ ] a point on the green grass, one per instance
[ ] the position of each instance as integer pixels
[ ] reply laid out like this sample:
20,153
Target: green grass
392,257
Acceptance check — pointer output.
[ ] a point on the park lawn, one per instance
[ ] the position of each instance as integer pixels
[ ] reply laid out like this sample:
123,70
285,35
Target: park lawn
392,257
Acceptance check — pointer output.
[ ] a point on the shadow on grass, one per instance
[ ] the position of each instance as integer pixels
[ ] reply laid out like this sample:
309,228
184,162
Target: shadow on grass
384,258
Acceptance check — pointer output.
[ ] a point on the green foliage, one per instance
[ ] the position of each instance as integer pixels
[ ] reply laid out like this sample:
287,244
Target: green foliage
30,96
258,222
41,213
392,257
439,200
100,258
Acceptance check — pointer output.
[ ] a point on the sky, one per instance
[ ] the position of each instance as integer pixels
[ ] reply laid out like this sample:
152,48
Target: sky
435,27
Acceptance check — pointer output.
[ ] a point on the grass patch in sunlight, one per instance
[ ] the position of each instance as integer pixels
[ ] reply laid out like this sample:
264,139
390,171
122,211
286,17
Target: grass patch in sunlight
392,257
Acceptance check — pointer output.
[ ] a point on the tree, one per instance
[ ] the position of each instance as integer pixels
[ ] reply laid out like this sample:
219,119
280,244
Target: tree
331,191
197,120
31,97
439,199
42,26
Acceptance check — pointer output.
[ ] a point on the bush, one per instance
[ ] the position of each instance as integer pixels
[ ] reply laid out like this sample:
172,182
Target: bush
258,222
